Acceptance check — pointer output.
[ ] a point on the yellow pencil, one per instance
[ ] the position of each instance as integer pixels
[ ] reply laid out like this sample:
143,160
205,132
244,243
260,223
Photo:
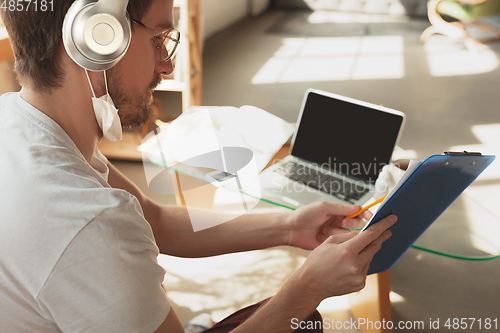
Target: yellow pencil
376,202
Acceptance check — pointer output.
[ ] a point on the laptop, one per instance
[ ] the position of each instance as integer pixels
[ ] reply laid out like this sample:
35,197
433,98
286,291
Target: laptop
337,151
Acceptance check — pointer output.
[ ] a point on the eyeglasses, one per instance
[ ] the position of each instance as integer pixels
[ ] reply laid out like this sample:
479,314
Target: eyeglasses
169,41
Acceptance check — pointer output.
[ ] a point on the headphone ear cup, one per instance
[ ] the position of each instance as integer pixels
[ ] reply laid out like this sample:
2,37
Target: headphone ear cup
95,35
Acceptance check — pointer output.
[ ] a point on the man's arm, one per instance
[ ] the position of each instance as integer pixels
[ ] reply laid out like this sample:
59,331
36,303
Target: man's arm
171,324
174,233
337,267
306,227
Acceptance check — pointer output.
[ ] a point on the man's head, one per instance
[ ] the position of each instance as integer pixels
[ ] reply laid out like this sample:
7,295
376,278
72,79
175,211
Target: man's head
133,79
36,39
42,62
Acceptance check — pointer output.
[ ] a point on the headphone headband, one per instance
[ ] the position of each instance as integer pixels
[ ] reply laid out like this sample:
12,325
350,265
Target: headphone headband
96,35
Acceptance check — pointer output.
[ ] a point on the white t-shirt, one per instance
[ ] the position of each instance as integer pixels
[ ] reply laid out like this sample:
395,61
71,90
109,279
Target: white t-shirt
75,254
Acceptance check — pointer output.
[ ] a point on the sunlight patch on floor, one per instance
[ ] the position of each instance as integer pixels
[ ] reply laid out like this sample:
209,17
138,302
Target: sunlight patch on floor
326,16
446,57
220,285
489,136
334,59
481,198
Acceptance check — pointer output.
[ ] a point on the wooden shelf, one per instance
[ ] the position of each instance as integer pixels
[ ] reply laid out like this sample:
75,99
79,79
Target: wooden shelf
5,49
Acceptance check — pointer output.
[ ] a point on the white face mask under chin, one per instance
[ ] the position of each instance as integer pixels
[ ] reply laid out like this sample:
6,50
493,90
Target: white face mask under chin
106,114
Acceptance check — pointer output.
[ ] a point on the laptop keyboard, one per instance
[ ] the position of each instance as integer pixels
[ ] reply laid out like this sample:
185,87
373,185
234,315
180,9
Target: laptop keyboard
321,181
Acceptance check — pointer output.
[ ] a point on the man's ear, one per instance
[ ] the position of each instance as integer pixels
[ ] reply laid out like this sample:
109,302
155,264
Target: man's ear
96,35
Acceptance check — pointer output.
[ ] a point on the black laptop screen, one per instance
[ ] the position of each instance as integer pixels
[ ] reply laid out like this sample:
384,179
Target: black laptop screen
349,138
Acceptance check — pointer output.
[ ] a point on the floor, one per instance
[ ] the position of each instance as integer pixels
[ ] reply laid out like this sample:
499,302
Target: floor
450,96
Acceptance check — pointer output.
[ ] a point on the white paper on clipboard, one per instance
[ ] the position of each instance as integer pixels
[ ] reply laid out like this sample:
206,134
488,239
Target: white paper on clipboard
412,166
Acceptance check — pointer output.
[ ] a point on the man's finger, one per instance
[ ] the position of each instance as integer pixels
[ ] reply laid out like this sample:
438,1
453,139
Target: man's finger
341,238
329,231
365,215
368,252
340,209
373,232
358,221
354,223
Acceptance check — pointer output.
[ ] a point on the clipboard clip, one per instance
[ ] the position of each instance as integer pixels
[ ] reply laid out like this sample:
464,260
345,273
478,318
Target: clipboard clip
465,152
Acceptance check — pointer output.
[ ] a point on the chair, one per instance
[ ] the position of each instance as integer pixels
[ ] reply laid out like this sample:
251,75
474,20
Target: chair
469,13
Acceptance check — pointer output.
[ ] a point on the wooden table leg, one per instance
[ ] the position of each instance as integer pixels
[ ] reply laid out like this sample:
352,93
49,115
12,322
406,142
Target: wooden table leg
372,304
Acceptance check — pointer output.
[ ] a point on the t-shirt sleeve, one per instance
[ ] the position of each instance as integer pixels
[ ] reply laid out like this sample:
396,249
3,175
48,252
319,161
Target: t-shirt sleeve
108,278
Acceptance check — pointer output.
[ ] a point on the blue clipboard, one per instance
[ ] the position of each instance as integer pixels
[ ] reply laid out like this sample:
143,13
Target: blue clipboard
422,198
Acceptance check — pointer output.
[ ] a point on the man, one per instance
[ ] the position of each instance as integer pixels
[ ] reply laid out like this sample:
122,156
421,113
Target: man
79,241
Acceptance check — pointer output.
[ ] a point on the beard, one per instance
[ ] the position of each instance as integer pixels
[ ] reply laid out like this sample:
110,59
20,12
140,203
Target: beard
134,108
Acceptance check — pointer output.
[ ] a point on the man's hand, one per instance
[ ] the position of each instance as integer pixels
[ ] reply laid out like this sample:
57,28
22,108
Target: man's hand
311,225
339,265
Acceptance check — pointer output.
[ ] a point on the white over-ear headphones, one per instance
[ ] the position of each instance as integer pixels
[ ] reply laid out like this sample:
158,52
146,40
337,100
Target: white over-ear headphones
96,34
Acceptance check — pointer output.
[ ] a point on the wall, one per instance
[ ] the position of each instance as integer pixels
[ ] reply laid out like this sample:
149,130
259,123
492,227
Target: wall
216,15
259,6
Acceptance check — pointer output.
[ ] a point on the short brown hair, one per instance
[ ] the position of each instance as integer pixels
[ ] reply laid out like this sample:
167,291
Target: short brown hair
36,39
